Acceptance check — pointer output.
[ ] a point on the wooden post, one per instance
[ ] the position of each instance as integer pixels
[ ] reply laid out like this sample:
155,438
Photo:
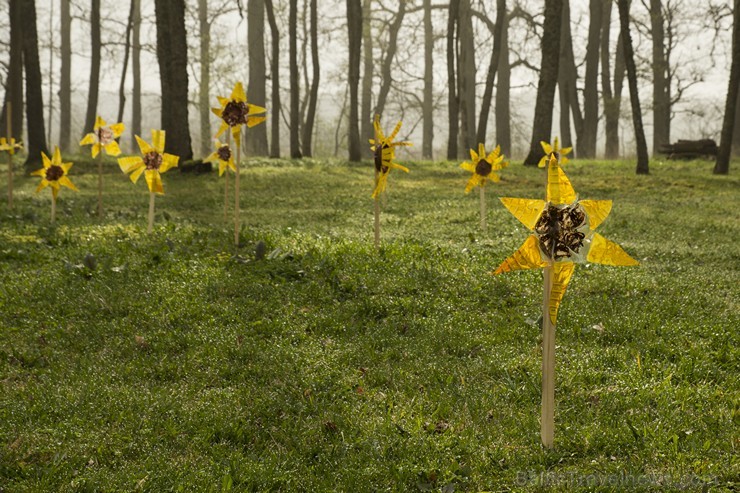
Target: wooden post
150,226
482,208
377,179
226,180
9,128
53,207
236,194
100,184
547,429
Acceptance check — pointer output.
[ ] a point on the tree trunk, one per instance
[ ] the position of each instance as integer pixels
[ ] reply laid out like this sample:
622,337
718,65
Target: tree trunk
127,51
95,44
722,167
661,98
314,95
565,76
172,55
354,27
612,100
275,78
587,145
390,55
65,81
503,88
204,92
34,98
295,116
467,78
366,116
629,59
136,72
427,108
542,125
256,137
453,103
485,108
736,131
14,84
50,73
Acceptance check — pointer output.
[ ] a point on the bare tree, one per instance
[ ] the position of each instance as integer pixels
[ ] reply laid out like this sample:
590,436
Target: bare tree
204,95
503,99
295,116
65,81
612,99
736,131
428,104
256,138
722,166
172,55
366,117
661,82
492,68
124,70
275,78
354,28
453,103
466,78
136,73
385,70
314,94
587,141
34,98
542,125
629,59
95,44
14,87
567,79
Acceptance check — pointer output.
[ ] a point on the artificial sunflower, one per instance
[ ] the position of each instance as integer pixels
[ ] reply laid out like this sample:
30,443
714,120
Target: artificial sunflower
152,162
562,234
235,112
554,150
104,137
54,174
483,167
223,156
10,145
384,153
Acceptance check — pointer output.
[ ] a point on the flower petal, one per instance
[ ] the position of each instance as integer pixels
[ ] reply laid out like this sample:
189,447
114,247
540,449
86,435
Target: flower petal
136,173
256,110
67,183
597,211
154,181
130,164
255,120
607,252
468,166
57,159
526,210
559,189
117,129
112,148
95,150
88,139
158,140
168,161
238,93
546,147
561,275
99,122
144,146
528,256
45,160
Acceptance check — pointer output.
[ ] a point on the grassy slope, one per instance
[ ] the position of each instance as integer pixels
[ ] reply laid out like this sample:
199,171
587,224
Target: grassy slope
333,366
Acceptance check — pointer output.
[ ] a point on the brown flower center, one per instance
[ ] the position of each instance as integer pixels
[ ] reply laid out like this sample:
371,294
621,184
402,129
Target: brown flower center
379,166
224,153
558,233
235,113
483,168
152,160
105,135
54,172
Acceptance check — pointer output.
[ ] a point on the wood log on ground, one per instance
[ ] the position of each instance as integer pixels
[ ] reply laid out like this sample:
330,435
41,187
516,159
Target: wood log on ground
197,167
690,149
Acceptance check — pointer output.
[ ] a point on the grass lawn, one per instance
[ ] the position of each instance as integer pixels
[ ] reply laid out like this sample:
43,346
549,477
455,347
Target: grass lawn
165,363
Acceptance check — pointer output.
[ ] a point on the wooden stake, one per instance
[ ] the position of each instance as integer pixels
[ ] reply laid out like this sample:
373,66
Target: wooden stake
226,181
377,214
236,194
9,128
547,429
53,208
150,226
482,208
100,184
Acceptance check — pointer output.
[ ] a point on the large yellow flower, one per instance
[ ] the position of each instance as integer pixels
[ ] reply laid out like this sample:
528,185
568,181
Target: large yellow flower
483,167
223,156
104,137
10,146
554,150
54,173
562,234
384,153
152,162
235,112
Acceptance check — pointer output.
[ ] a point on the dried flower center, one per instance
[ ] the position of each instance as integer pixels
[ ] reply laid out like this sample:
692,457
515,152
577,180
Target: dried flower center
379,166
54,172
224,153
235,113
152,160
105,135
483,168
558,233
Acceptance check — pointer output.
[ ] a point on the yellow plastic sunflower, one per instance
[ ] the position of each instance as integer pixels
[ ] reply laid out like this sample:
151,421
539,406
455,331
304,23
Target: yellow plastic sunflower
10,145
223,156
562,234
54,173
483,167
235,112
152,162
384,153
104,137
554,150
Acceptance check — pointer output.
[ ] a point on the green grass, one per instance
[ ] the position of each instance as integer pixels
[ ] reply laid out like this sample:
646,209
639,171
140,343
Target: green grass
173,365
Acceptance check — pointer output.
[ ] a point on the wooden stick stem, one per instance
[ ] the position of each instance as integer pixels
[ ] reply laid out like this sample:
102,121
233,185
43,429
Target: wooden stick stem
53,208
482,208
150,226
100,185
226,181
547,430
9,128
236,193
377,215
